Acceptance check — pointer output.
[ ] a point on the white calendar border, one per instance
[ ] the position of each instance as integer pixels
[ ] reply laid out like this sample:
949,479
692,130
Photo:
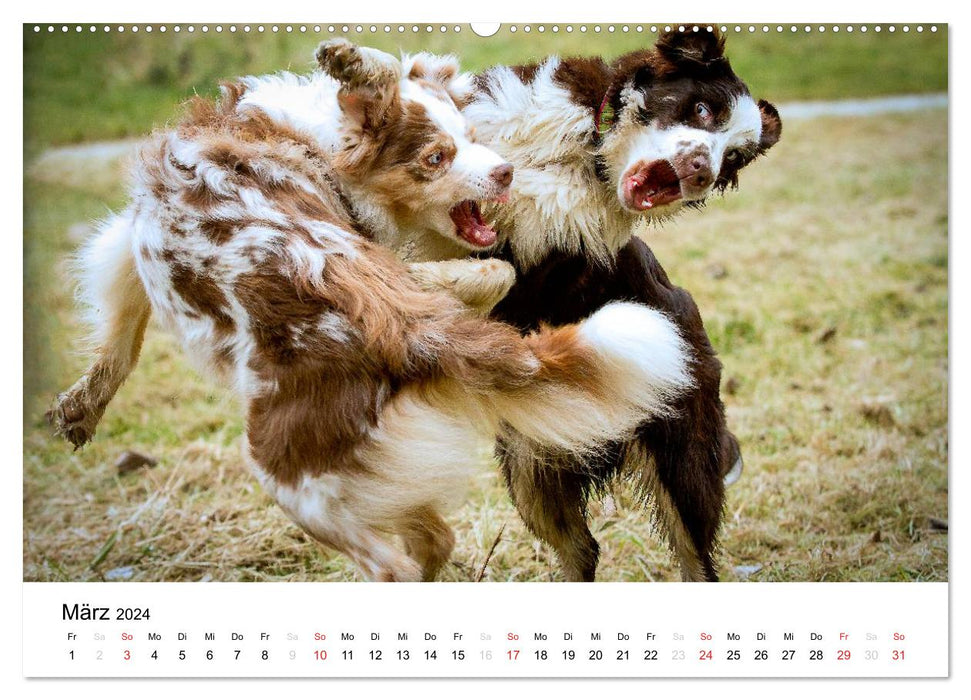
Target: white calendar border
507,10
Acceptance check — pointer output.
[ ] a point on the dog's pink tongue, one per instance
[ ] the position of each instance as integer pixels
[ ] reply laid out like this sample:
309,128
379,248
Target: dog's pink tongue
470,226
480,235
653,185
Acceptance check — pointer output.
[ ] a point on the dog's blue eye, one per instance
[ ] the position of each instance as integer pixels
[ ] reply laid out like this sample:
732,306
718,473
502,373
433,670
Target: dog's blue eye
702,110
732,156
435,158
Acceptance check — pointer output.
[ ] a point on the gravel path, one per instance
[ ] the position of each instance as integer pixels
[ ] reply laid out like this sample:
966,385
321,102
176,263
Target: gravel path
862,108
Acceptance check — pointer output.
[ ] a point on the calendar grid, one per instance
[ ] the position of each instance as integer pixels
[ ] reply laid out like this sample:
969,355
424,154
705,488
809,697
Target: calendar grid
490,630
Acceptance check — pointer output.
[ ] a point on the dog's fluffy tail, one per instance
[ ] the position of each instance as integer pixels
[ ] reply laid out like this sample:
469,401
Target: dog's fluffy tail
578,386
117,310
600,379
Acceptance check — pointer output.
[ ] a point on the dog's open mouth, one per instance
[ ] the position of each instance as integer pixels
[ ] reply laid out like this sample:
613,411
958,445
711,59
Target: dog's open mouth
652,186
469,225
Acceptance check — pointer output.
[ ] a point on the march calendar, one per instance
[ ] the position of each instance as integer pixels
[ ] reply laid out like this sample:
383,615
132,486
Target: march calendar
343,630
553,349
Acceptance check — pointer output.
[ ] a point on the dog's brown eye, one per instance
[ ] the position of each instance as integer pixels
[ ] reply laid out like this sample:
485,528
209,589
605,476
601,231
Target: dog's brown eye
701,109
435,158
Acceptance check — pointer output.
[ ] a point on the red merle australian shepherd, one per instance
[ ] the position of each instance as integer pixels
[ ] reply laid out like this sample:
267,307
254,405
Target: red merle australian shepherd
251,234
596,146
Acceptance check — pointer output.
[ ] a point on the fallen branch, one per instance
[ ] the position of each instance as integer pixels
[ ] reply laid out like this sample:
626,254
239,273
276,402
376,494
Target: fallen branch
489,555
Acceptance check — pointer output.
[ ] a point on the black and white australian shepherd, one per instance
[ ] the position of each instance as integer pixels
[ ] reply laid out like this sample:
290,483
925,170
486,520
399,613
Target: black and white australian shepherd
597,147
251,234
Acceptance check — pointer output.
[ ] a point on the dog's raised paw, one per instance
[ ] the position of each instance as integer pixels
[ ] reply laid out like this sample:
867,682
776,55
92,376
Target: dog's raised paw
70,419
339,58
356,66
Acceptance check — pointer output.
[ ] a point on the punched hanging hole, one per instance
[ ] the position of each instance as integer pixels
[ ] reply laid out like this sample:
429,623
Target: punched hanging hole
485,29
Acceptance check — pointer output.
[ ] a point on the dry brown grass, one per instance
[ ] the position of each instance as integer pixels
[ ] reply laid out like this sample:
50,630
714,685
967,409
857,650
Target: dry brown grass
823,284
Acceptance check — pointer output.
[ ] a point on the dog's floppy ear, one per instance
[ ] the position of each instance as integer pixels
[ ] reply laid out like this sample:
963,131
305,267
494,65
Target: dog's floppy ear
442,71
369,92
692,50
771,125
637,66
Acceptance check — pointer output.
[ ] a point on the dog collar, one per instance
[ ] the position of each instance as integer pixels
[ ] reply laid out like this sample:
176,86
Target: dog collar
605,116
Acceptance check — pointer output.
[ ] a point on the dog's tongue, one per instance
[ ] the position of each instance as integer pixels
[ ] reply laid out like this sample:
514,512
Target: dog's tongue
470,226
655,184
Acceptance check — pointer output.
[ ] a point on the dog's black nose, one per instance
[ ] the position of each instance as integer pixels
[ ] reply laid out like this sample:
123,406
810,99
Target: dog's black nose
502,174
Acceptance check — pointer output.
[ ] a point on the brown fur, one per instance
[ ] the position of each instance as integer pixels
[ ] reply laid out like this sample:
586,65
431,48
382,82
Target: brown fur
587,79
202,294
340,356
428,540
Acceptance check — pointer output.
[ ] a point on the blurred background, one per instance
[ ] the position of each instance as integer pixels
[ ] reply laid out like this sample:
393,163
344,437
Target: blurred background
822,282
86,87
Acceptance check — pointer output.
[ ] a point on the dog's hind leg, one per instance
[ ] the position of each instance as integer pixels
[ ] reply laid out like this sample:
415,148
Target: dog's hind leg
686,485
377,558
326,508
684,460
552,501
413,465
428,540
119,313
370,551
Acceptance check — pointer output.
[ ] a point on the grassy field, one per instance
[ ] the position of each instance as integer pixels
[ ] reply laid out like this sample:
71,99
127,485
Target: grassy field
823,283
81,87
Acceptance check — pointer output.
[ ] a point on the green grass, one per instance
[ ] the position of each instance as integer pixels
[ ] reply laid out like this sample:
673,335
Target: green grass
822,281
83,87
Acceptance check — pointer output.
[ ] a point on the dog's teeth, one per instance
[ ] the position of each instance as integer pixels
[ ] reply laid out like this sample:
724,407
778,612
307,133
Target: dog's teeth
646,204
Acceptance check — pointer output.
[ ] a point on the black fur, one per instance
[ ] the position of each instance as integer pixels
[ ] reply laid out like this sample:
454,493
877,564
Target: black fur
689,451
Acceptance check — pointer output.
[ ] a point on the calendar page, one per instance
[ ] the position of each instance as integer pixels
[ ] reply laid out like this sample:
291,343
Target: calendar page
391,349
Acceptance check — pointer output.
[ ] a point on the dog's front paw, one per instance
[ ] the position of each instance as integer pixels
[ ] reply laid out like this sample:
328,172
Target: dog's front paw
479,284
496,278
72,418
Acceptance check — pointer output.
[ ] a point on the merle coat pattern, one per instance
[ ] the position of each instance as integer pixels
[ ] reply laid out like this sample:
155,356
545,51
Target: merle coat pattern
251,235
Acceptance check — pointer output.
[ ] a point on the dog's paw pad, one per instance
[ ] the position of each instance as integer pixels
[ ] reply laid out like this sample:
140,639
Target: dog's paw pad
70,420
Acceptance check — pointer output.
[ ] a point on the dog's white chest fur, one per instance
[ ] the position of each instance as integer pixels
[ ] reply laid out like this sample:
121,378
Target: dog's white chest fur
557,200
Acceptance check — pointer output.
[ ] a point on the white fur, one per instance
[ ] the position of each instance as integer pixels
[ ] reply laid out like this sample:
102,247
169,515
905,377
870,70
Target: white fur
556,200
302,103
645,365
645,348
420,456
106,276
